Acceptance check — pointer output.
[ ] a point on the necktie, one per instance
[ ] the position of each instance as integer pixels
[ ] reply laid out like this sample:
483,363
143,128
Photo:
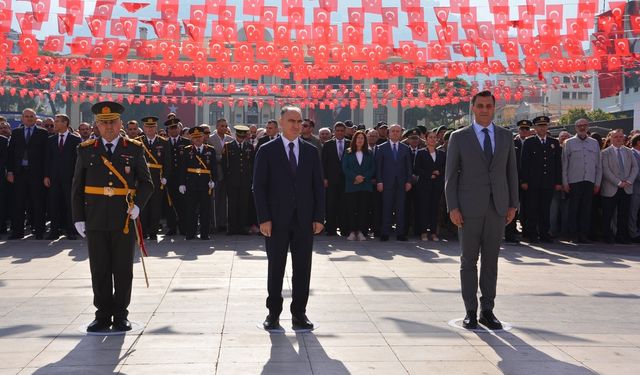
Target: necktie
413,155
619,151
28,136
486,145
395,151
293,164
340,149
109,151
61,144
543,141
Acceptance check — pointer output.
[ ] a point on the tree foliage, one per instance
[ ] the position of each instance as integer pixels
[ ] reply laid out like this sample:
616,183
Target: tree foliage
575,114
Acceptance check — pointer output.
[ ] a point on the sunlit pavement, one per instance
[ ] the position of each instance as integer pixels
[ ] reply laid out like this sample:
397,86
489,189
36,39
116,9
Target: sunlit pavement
380,308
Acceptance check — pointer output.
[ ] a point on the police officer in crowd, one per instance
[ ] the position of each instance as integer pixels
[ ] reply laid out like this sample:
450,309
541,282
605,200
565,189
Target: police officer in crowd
237,167
111,184
198,172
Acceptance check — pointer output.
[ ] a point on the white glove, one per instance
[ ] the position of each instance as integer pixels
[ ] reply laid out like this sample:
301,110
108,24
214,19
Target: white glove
134,212
182,189
80,228
211,184
163,181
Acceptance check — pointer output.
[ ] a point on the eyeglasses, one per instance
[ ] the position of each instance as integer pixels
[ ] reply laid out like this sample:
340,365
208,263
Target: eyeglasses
48,126
207,133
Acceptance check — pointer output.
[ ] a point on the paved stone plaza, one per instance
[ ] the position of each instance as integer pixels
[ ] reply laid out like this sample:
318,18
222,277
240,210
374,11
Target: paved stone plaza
380,308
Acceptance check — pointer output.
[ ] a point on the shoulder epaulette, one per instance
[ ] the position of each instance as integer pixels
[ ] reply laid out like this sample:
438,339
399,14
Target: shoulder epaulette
88,142
188,146
163,138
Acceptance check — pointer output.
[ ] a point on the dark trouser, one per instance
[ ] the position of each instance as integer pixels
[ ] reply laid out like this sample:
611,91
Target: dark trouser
480,237
335,204
176,213
4,191
428,205
111,261
411,216
538,212
299,238
580,199
198,206
375,211
150,214
393,200
29,193
60,208
238,198
220,204
619,201
358,205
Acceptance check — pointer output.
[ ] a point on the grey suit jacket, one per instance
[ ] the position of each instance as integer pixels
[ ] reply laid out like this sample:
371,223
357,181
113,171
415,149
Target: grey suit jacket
611,173
214,140
470,181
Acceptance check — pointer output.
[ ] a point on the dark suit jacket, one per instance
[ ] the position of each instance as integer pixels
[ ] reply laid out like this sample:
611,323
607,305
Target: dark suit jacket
389,170
264,139
541,166
36,151
4,145
59,166
425,166
331,163
278,194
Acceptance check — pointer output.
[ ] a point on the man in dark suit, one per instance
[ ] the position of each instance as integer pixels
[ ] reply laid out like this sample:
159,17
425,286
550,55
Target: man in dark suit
289,196
25,170
176,216
158,154
481,187
271,132
540,175
111,183
60,164
237,167
332,152
393,175
4,145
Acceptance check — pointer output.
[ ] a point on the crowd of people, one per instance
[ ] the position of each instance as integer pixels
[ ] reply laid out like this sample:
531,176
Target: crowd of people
379,181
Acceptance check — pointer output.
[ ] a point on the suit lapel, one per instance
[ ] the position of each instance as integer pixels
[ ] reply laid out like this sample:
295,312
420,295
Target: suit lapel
475,142
498,140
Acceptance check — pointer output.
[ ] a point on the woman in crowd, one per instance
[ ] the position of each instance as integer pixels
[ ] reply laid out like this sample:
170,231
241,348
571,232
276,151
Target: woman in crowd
429,167
358,166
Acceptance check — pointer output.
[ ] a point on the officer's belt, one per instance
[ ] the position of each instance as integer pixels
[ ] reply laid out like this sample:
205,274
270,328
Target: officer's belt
107,191
198,171
157,166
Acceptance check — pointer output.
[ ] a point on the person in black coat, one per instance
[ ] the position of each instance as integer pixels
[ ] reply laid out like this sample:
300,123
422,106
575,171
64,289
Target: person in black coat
4,145
332,152
429,167
540,175
289,196
60,164
25,170
511,230
237,167
176,215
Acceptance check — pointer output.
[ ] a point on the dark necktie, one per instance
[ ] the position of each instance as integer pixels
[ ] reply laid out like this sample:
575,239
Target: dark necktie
488,151
543,141
61,144
395,151
619,152
109,151
28,136
293,164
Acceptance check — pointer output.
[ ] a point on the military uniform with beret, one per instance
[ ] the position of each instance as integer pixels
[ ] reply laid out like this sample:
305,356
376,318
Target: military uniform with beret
237,167
109,178
540,174
198,172
176,215
158,155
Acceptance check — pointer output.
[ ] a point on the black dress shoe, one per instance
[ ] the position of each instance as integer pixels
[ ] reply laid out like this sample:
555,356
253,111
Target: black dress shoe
401,238
511,239
301,322
189,238
470,321
53,236
99,325
546,239
384,238
16,237
39,236
171,232
204,238
489,320
121,325
271,322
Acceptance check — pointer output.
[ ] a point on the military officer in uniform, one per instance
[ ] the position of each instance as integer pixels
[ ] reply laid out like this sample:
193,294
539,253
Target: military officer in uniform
197,176
176,215
237,166
540,175
158,154
111,183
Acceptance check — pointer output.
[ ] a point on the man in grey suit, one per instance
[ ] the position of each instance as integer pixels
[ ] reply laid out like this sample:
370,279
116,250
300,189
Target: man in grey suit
619,169
481,188
217,140
634,220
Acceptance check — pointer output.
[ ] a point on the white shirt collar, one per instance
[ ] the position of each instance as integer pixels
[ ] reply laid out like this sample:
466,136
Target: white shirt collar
114,142
65,134
478,128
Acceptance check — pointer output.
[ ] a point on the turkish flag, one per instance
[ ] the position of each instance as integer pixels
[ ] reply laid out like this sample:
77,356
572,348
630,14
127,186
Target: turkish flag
510,48
352,34
439,52
448,33
372,6
329,5
254,31
442,14
65,24
457,5
296,18
53,43
356,16
134,7
467,48
514,66
622,47
281,33
576,29
269,16
28,22
223,32
468,16
501,16
213,6
74,8
525,17
390,16
252,7
40,9
104,9
635,23
419,31
321,16
536,6
288,4
573,46
404,4
125,26
227,15
97,26
81,45
381,34
198,15
193,31
609,84
554,15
